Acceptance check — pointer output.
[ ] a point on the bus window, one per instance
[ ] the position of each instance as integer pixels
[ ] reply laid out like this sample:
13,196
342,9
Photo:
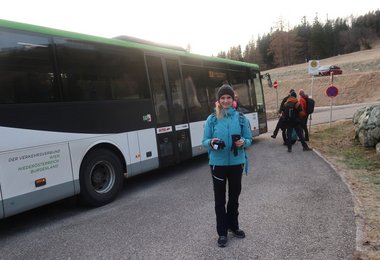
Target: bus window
95,72
215,79
240,85
26,69
259,93
196,92
191,93
157,82
175,86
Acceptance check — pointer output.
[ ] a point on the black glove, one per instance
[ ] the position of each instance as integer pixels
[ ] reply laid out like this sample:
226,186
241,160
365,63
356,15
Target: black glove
233,146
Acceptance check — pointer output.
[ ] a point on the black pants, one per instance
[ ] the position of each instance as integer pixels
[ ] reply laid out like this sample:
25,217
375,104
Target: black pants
226,219
304,128
298,130
280,125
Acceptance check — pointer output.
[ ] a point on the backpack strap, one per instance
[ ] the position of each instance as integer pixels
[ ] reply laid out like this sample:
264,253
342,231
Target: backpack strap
242,121
306,103
213,122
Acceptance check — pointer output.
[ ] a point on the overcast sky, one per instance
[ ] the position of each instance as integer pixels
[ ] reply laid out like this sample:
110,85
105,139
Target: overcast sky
208,26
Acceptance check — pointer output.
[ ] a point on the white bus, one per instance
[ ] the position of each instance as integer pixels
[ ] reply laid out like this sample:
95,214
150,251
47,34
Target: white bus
78,113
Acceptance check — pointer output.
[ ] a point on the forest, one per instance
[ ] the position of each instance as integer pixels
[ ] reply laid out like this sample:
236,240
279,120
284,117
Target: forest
288,46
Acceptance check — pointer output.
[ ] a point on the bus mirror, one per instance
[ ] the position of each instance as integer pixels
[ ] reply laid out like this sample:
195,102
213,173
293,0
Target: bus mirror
270,84
269,80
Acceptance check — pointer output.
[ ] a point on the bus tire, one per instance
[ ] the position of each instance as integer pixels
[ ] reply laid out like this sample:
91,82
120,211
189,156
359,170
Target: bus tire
100,177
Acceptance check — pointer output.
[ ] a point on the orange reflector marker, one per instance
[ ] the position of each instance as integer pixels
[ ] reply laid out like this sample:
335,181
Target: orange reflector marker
40,182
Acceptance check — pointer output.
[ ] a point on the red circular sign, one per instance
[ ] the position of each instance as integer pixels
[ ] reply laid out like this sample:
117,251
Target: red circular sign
275,85
332,91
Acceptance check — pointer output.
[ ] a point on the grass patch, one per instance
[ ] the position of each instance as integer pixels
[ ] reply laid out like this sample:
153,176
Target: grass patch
360,167
356,158
338,141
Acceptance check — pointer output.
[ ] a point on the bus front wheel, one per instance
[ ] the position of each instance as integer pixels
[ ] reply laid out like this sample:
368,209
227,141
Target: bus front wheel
100,177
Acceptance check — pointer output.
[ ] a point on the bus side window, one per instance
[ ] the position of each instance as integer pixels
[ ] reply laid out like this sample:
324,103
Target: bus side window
95,72
27,74
196,92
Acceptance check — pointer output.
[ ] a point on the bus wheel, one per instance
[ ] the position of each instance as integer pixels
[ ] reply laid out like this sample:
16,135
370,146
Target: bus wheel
100,177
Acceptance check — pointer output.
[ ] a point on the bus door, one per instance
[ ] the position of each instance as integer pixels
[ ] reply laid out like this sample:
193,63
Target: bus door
172,130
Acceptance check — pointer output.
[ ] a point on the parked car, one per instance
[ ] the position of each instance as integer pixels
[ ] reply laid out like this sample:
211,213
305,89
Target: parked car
327,69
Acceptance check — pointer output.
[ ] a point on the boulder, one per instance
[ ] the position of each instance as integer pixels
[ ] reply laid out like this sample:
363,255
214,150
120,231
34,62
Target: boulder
367,125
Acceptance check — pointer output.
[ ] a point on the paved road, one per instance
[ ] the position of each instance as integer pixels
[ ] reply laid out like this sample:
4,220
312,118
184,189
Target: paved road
293,206
323,114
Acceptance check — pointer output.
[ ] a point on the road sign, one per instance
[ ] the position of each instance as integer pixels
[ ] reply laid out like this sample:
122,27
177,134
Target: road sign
332,91
275,84
313,67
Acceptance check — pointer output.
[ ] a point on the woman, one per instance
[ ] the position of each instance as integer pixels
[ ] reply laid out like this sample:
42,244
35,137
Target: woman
226,134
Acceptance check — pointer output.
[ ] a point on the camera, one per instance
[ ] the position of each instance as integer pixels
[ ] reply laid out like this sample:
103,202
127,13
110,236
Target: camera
218,145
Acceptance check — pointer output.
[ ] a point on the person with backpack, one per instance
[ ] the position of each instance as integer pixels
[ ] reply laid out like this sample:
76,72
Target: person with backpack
226,133
293,113
303,102
281,123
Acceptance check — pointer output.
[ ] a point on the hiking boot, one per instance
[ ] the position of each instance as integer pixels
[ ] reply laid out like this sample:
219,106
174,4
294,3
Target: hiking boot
238,233
222,241
273,136
307,149
289,150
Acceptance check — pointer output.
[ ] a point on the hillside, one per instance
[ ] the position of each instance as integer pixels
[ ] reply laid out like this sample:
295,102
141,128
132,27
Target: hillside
360,81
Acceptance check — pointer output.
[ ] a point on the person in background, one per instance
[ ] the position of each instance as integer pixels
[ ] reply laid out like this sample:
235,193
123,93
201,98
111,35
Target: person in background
281,123
303,103
226,134
293,112
235,104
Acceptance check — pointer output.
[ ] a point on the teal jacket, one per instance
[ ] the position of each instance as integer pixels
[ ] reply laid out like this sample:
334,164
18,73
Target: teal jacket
233,123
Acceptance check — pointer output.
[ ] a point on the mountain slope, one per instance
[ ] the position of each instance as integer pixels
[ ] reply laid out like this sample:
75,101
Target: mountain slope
360,81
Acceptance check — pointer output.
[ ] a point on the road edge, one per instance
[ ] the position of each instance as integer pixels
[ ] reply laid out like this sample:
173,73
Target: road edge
358,207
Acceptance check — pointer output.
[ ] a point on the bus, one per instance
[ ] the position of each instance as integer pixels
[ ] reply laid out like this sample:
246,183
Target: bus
79,113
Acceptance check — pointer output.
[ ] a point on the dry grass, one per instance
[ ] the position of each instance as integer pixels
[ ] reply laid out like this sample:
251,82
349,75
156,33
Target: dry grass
360,168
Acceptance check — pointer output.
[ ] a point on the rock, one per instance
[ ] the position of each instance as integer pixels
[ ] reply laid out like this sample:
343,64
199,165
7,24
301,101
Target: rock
357,114
378,148
367,125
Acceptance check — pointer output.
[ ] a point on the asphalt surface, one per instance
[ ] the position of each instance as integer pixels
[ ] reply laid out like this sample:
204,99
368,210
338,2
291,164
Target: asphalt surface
292,206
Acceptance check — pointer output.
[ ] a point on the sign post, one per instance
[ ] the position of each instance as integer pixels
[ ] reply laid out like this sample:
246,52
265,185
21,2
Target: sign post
331,92
275,85
312,70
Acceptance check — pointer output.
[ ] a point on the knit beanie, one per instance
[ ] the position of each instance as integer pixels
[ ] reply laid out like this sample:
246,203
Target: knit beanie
293,94
301,93
225,89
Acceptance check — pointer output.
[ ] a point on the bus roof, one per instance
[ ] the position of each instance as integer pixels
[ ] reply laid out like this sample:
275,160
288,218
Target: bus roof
120,42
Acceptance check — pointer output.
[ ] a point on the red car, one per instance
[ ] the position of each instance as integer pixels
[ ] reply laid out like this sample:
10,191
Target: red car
327,69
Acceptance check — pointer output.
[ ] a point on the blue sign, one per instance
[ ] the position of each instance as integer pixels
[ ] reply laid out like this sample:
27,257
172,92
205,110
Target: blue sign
332,91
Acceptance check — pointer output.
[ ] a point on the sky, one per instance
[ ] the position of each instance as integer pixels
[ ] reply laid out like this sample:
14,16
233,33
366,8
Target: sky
207,26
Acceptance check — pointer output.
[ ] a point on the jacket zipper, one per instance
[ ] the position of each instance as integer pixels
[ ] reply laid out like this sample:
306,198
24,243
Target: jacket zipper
229,147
